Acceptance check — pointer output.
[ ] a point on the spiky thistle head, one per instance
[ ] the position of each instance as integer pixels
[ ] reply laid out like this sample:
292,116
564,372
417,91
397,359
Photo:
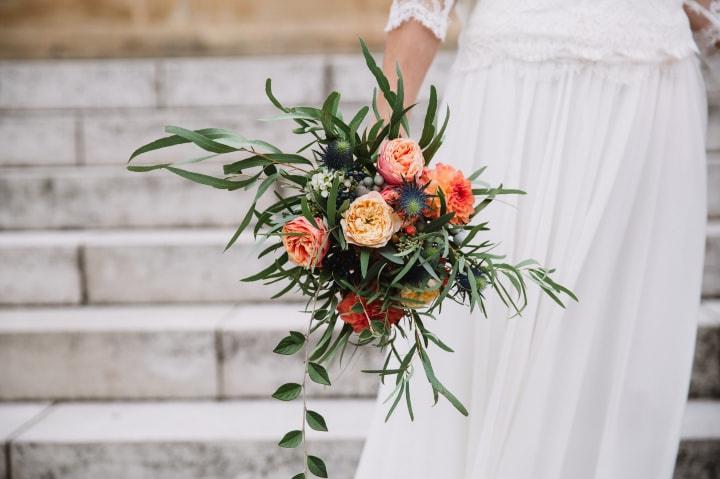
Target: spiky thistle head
481,279
412,199
337,155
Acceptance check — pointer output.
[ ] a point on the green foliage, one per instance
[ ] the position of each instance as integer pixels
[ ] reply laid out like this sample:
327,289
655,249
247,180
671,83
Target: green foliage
287,392
292,439
316,421
440,260
317,466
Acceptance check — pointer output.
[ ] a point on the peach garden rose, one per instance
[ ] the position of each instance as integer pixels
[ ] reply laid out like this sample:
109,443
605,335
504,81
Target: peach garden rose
400,159
370,221
305,244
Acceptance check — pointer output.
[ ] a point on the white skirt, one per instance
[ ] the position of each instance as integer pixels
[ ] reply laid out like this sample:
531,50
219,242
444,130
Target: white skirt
613,161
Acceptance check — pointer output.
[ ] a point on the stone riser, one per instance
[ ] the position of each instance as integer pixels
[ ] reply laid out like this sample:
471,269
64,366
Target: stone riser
129,267
179,265
97,112
201,352
110,197
190,352
233,440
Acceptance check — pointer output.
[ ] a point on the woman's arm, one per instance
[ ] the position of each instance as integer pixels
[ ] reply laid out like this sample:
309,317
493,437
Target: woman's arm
413,47
698,21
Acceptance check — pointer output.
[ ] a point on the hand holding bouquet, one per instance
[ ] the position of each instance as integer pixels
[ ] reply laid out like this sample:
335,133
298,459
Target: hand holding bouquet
373,234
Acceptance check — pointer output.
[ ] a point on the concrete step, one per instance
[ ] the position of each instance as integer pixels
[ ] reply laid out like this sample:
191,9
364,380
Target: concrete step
237,439
161,352
93,197
159,266
130,266
200,352
111,197
14,418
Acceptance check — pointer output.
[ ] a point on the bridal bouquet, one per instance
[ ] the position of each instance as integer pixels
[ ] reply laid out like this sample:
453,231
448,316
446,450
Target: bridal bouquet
371,232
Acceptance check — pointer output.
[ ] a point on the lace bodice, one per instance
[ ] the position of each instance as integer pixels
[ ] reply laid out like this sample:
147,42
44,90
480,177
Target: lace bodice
614,31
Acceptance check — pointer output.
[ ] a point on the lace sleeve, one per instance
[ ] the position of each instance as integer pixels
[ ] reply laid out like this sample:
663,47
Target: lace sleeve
433,14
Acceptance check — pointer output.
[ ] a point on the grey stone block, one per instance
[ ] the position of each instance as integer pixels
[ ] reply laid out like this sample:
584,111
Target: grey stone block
109,353
47,139
225,440
38,273
77,83
714,186
711,278
173,266
713,129
249,368
235,439
698,459
13,418
110,137
112,197
241,81
705,381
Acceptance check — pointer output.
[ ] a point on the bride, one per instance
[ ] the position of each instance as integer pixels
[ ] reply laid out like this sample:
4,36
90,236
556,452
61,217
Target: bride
597,109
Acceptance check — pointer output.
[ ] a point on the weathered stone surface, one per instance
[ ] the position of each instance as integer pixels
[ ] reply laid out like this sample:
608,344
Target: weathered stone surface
241,81
235,440
121,28
714,185
699,454
172,266
698,459
40,273
250,369
713,128
110,137
109,353
711,278
706,366
77,84
112,197
20,133
13,418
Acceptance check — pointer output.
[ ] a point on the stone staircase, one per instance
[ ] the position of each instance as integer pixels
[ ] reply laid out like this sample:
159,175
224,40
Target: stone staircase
125,335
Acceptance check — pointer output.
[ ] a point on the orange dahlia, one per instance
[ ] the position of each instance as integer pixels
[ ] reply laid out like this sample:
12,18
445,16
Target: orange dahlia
459,197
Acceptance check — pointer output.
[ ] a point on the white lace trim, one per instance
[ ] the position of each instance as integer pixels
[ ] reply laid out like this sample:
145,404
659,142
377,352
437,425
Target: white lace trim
433,14
556,69
609,31
632,33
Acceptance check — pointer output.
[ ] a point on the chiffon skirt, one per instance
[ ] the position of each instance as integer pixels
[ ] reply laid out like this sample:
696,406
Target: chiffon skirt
613,161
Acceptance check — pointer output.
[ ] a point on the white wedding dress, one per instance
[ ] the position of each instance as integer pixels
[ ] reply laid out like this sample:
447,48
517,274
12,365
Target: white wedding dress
597,109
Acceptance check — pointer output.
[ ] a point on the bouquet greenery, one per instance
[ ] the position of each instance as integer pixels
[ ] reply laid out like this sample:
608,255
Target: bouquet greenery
373,236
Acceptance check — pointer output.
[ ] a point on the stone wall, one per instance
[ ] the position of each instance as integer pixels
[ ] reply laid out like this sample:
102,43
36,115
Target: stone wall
132,28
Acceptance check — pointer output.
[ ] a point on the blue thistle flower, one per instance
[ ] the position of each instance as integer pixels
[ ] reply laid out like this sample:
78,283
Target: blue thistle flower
338,155
481,279
412,200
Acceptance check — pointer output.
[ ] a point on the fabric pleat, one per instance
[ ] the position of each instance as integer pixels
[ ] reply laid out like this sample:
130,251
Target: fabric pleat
613,161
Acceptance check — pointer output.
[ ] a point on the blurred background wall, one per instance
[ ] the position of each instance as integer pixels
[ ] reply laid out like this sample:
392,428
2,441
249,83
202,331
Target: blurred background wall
128,347
133,28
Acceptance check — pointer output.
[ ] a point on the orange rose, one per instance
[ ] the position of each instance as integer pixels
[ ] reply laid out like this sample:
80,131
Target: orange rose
373,311
305,244
400,159
459,197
